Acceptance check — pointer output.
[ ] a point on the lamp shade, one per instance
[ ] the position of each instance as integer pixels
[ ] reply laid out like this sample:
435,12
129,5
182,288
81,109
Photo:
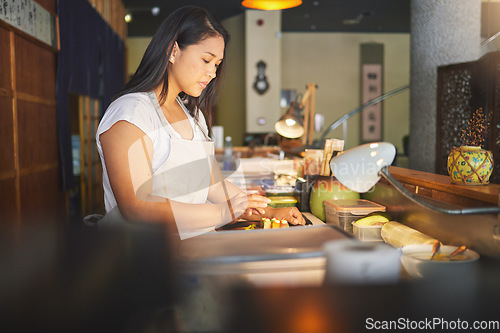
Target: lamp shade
359,168
290,124
271,4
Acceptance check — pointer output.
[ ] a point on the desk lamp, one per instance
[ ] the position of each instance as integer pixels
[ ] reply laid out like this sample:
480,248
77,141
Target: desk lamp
290,124
360,168
293,124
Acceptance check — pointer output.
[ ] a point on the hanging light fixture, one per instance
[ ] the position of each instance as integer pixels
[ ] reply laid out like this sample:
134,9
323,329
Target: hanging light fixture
290,124
271,4
128,17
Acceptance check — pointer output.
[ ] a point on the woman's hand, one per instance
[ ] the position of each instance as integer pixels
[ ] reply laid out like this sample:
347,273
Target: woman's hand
291,214
243,206
257,208
256,205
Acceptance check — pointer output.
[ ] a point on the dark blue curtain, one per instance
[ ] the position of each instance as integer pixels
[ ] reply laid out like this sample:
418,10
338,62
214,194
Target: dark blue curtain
90,62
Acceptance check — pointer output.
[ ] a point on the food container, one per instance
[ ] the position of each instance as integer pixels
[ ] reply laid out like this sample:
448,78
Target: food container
367,233
283,201
343,212
274,191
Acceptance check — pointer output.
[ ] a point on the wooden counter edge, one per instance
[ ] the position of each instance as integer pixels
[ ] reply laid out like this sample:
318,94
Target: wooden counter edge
486,193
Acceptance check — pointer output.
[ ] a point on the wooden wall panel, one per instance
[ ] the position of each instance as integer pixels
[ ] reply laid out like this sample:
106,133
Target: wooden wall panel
42,201
5,79
35,70
30,189
7,164
37,135
8,206
113,12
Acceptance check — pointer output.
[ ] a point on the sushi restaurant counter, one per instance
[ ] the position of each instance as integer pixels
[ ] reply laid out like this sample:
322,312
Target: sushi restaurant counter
292,256
214,264
274,280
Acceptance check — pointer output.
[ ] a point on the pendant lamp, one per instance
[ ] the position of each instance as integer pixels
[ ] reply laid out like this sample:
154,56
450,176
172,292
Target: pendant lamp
290,124
271,4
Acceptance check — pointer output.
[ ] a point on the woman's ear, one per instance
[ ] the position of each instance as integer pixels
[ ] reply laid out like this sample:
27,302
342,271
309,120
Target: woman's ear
174,53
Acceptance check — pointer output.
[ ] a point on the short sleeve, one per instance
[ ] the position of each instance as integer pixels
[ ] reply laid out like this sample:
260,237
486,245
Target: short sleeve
131,108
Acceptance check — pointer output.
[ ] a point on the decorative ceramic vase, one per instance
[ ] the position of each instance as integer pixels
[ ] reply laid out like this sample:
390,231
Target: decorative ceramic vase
327,187
470,165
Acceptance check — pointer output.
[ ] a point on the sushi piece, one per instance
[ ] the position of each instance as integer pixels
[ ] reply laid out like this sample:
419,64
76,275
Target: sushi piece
284,223
275,223
265,223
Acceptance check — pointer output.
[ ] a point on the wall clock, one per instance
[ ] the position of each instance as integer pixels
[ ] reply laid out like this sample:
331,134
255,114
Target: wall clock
261,85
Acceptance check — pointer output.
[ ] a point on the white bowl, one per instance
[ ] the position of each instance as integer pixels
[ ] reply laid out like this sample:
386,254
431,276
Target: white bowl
416,261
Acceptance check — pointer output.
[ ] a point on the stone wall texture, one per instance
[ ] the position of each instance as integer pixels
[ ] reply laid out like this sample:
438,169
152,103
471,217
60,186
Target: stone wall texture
443,32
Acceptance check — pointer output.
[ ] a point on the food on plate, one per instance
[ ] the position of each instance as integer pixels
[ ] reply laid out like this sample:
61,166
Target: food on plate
373,219
273,223
265,223
250,227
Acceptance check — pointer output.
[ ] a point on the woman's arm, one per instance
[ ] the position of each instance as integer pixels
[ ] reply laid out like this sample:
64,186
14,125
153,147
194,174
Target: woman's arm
128,154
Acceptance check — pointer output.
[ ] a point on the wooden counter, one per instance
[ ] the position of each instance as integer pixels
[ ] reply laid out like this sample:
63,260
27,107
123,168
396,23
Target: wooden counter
441,188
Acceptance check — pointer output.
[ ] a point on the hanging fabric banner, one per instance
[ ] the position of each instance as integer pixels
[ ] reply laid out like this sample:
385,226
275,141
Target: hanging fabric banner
371,70
372,116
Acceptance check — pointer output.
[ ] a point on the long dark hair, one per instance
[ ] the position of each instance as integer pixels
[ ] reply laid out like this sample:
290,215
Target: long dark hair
187,26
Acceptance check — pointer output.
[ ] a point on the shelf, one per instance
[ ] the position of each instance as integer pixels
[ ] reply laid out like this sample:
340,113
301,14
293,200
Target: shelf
440,187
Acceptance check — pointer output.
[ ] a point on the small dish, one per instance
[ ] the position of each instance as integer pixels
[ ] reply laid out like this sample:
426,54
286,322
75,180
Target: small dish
416,260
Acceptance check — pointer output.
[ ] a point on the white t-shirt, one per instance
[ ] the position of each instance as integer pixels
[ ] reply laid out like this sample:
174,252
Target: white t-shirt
139,110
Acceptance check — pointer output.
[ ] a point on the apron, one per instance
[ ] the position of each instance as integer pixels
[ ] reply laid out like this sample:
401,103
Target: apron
184,176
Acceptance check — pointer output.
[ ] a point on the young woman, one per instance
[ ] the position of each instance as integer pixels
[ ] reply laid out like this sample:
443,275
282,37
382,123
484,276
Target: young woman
157,156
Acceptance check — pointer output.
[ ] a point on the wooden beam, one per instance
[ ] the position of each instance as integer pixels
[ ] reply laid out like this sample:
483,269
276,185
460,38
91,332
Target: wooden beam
16,126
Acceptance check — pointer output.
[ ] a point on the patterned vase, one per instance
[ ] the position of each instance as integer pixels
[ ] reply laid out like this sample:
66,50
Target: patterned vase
470,165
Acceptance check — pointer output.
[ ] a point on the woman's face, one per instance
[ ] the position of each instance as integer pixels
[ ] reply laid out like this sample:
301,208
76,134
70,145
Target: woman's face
195,66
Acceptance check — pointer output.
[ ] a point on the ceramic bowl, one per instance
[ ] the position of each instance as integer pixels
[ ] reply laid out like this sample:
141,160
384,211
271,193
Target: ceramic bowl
415,259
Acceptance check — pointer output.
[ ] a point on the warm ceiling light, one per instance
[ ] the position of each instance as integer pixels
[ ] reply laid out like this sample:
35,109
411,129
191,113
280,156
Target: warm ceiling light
155,11
271,4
